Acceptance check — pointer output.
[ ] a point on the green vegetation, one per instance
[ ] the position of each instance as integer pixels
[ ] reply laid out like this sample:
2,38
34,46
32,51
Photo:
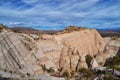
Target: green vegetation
114,67
65,74
108,77
72,73
88,59
50,70
113,63
113,37
60,69
27,45
43,67
100,72
73,28
85,72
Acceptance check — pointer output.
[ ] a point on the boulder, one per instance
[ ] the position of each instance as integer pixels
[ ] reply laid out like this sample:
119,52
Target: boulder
93,63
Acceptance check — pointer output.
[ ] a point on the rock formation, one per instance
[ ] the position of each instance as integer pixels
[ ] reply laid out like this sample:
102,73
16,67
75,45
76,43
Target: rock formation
94,64
25,53
112,47
14,56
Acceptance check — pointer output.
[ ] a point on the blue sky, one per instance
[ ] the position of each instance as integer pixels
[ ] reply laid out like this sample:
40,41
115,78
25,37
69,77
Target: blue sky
58,14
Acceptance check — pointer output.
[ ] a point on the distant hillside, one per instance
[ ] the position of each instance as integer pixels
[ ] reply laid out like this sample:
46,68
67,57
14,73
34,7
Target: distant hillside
104,33
33,31
109,33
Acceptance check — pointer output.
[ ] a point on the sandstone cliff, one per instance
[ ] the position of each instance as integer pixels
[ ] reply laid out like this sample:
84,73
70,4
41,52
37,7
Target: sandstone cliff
14,56
25,53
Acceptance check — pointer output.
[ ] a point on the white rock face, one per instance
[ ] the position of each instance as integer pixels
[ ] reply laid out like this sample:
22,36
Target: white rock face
46,77
68,50
112,46
25,53
12,55
94,64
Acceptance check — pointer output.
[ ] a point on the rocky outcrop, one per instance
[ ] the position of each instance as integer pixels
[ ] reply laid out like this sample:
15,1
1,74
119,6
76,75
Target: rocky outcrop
68,50
14,56
25,53
94,64
112,47
73,28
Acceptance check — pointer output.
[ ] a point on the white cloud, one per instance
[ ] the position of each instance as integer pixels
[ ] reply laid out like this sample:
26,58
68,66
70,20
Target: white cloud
16,23
30,1
50,13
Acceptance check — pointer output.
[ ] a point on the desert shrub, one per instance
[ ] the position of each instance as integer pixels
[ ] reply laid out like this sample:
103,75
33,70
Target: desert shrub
113,62
28,74
82,70
60,69
72,73
43,67
115,68
86,72
65,74
88,59
50,70
113,37
100,72
108,77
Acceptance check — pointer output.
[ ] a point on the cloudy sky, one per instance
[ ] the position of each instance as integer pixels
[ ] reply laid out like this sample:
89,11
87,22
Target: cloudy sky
58,14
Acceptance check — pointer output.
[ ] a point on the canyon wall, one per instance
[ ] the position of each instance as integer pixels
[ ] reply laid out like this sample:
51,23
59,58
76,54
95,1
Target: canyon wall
26,53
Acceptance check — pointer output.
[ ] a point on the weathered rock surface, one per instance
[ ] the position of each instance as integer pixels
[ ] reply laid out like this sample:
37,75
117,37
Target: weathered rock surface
112,48
25,53
44,77
14,56
79,43
113,45
94,64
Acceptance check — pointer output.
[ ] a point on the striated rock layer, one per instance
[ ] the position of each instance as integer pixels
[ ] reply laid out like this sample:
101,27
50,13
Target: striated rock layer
14,55
25,53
